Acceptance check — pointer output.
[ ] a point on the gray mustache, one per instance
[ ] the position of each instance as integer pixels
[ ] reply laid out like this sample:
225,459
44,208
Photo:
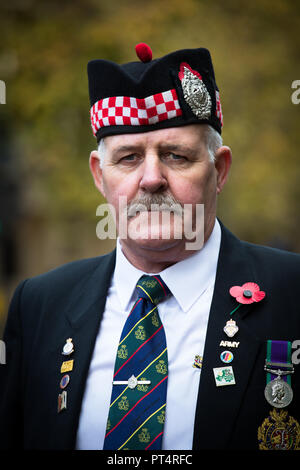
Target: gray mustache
155,202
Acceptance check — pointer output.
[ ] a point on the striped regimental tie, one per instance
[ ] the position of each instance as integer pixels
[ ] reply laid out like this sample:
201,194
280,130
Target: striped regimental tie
138,402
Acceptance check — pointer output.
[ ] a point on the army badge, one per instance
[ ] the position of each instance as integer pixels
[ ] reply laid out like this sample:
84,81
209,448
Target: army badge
231,328
68,347
195,92
279,431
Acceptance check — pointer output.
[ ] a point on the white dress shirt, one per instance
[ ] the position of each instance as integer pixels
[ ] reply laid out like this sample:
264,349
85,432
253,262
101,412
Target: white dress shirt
184,316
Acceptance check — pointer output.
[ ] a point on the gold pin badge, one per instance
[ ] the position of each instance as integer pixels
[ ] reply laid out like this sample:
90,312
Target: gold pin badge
67,366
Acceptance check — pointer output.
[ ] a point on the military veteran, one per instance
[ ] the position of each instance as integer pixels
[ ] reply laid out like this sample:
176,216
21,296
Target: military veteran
163,344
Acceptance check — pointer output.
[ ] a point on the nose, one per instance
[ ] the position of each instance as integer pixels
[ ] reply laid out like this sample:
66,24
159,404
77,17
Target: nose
153,178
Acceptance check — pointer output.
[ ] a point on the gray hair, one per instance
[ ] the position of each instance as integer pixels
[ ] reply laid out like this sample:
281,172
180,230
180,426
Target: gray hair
213,142
101,152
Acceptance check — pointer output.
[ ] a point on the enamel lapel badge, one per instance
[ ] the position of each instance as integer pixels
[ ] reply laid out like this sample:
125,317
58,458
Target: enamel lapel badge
224,376
68,347
231,328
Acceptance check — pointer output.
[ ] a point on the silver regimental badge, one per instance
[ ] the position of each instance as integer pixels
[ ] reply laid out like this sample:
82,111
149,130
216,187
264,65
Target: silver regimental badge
278,393
231,328
68,347
195,92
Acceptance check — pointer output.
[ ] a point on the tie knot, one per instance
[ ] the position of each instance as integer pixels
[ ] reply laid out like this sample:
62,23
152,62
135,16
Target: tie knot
152,288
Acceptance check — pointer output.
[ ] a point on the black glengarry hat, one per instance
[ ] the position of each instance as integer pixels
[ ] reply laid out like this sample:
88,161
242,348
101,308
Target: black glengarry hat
174,90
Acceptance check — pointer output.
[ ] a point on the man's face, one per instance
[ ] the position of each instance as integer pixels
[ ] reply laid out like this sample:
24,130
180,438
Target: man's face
171,163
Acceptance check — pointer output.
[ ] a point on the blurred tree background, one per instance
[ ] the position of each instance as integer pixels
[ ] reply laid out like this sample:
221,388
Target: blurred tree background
48,200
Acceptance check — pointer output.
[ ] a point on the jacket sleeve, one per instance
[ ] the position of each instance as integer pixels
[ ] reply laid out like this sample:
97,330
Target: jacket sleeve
11,380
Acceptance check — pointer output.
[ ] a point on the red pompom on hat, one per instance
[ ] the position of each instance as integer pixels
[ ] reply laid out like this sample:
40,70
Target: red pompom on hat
144,52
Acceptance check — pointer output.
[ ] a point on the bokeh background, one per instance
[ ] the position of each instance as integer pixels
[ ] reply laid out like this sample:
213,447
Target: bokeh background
48,200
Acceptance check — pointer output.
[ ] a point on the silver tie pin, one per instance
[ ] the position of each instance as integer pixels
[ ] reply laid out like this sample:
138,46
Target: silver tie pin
132,382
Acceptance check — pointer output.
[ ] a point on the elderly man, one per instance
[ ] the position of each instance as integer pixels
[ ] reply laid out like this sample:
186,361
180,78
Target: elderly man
164,343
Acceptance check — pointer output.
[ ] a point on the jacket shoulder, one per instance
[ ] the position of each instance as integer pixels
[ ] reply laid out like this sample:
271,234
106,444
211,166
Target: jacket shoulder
273,256
58,281
279,266
278,270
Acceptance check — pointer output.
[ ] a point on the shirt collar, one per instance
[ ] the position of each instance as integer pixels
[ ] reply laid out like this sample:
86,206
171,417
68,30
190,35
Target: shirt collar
187,279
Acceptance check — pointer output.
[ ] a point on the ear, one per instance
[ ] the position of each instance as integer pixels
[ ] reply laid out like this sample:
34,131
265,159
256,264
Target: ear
223,159
96,171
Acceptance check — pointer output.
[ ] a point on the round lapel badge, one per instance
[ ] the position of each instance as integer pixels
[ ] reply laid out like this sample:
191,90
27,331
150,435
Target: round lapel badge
64,381
226,356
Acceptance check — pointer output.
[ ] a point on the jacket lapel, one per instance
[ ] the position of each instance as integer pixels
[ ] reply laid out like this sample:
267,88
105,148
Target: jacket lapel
217,407
83,317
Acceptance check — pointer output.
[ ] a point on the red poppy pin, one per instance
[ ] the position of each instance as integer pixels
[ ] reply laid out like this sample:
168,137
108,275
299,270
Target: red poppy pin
247,293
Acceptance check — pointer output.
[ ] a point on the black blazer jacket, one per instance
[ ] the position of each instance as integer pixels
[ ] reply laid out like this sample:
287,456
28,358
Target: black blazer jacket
69,302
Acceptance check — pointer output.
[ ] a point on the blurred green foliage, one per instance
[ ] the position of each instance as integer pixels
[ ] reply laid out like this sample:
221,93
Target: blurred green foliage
44,50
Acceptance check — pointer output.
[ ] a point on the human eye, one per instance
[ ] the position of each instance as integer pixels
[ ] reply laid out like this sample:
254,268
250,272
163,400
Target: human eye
175,157
130,158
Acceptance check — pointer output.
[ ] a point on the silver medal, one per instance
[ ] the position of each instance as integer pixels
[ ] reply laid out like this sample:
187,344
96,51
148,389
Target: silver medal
278,393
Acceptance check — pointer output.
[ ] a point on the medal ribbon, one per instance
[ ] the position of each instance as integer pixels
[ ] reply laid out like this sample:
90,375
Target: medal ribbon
279,357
